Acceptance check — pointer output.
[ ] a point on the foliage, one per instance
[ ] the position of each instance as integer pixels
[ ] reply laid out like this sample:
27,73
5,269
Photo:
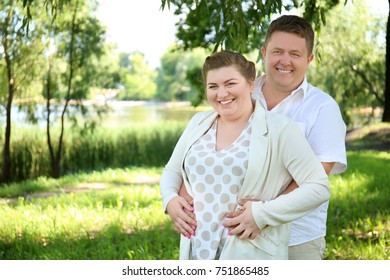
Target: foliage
77,36
234,24
106,70
241,26
179,77
137,78
351,72
20,50
94,150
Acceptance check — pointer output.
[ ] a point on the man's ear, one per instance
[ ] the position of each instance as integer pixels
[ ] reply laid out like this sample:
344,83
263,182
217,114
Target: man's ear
310,58
263,50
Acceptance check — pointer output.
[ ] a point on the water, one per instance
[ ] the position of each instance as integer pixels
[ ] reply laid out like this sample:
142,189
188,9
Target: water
120,113
128,113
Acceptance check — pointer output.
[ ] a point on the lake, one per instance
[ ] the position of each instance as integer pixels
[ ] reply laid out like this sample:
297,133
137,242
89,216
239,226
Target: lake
128,113
120,113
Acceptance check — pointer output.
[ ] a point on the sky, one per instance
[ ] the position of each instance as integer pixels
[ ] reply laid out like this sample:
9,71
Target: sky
139,25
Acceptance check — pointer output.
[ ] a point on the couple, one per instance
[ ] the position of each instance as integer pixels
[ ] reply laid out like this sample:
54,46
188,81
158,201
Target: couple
250,171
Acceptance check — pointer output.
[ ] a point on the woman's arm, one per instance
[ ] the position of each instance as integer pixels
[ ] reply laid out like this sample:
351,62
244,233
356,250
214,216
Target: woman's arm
299,159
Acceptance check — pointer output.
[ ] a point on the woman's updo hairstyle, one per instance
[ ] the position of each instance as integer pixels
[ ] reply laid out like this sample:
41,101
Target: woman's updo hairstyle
228,58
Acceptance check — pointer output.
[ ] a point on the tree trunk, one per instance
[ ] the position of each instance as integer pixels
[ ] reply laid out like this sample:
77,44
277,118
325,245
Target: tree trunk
7,139
386,108
6,175
54,166
56,158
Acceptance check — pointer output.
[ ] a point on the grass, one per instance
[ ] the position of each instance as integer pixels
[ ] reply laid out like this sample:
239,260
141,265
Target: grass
121,222
359,211
119,218
106,178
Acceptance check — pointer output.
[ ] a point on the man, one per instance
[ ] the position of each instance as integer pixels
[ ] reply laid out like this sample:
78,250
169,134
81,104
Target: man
287,53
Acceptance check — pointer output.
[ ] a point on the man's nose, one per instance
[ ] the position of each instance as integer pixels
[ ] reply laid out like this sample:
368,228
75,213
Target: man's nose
285,59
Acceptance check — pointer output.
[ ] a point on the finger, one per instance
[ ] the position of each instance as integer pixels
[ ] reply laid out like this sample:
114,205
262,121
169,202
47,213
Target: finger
237,230
185,204
190,218
252,236
245,200
184,228
183,193
230,223
245,235
233,214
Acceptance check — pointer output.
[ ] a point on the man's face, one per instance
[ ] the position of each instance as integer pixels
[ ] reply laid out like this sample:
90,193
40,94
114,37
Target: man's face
286,60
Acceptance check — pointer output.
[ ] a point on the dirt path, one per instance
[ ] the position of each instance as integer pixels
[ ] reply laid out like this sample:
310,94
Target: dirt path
85,187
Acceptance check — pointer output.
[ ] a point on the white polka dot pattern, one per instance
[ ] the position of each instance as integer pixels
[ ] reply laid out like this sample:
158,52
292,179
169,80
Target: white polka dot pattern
215,178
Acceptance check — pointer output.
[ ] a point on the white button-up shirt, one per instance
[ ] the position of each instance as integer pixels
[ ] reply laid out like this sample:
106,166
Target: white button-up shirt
319,117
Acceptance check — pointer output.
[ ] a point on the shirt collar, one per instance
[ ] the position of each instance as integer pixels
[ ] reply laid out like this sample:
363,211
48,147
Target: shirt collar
302,88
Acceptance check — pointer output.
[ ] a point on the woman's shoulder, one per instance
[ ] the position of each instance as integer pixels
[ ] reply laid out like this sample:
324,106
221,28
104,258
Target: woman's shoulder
201,116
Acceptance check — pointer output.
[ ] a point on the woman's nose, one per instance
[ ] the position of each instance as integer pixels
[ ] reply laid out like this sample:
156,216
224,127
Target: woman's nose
222,92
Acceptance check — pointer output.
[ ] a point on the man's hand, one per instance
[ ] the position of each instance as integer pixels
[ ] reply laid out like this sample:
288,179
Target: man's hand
243,225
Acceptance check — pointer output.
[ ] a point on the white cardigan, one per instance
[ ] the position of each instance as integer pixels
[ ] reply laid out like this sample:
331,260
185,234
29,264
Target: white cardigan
278,154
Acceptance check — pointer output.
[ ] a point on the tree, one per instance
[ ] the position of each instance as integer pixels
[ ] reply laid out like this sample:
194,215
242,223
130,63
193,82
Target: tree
137,78
20,51
179,75
78,36
352,73
240,25
235,24
386,108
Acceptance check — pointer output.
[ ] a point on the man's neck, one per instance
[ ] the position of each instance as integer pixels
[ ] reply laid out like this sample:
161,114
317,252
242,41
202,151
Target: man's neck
272,96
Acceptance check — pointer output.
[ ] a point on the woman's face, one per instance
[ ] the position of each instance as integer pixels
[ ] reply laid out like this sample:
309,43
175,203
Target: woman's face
228,92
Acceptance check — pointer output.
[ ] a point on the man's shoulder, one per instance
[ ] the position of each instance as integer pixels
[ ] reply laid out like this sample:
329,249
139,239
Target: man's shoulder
317,93
317,97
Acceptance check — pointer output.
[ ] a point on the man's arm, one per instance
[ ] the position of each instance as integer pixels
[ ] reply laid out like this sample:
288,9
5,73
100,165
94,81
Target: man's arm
327,166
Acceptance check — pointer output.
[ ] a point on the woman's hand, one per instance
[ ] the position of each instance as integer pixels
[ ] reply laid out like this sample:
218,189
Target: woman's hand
182,216
243,225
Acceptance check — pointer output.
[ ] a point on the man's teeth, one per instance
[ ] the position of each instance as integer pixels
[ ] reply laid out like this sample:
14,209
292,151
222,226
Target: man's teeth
225,102
284,71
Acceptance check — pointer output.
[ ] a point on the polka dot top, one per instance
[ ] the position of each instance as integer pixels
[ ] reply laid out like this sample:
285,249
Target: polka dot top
215,178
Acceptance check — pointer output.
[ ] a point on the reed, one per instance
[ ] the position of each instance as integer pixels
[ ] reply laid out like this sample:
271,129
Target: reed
138,145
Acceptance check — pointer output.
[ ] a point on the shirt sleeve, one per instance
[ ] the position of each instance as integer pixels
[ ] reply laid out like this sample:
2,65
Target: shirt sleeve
305,168
327,136
172,177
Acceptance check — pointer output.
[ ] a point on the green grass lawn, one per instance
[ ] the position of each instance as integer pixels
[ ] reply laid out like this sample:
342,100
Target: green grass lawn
119,222
118,218
359,211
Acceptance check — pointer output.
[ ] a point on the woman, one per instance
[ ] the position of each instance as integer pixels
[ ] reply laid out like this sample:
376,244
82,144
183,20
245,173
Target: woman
236,151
